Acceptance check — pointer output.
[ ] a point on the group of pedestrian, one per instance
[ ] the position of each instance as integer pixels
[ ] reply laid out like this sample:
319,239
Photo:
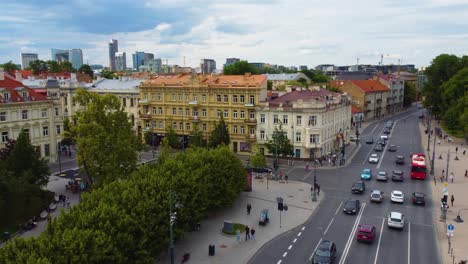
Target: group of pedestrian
64,200
315,188
249,232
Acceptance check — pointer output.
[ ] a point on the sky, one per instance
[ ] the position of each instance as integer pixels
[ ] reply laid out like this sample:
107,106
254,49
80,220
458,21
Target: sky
283,32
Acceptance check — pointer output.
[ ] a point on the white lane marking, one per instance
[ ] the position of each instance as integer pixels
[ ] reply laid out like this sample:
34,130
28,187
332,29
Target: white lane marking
279,261
374,128
328,226
409,242
294,241
373,146
285,254
351,235
380,239
300,233
338,207
303,228
290,246
320,241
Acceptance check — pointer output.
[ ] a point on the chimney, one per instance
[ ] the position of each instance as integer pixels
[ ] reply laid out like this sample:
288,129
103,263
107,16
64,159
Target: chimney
2,74
18,76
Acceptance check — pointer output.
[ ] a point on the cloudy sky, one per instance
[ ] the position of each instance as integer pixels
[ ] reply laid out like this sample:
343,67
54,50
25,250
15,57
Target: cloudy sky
287,32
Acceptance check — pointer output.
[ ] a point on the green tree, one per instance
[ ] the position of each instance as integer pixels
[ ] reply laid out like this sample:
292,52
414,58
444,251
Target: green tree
220,135
269,85
279,143
9,66
172,137
258,160
239,68
66,66
454,92
196,139
53,66
86,69
108,74
410,93
103,134
319,77
38,66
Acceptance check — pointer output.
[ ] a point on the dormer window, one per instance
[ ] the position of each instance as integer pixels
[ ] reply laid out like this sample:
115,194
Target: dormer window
24,93
6,96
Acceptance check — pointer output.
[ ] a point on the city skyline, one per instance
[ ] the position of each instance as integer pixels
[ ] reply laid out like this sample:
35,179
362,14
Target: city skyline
328,33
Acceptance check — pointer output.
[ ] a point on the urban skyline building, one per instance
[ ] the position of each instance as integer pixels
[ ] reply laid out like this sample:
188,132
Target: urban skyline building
27,58
230,61
59,55
141,58
113,49
207,65
76,58
120,61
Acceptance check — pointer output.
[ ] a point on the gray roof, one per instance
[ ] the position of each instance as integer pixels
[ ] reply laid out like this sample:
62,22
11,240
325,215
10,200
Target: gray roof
286,77
116,85
52,83
354,76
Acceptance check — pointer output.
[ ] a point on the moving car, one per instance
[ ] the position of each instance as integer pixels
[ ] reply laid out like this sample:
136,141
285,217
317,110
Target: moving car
352,206
396,220
389,123
421,116
382,176
376,196
399,160
325,253
392,148
366,174
358,187
262,170
370,141
419,198
397,197
387,131
384,137
366,233
374,158
381,142
378,148
352,138
397,175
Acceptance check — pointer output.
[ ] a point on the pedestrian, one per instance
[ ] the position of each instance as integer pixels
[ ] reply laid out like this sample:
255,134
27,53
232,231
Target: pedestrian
286,178
252,232
464,151
318,189
443,172
451,177
442,178
237,235
68,202
247,233
307,167
452,199
312,190
249,207
466,173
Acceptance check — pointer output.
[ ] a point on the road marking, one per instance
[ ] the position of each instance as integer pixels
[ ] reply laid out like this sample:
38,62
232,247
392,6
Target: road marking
373,146
338,207
328,226
285,254
320,241
289,171
294,241
374,128
380,239
300,233
279,261
351,235
409,242
290,246
303,228
308,174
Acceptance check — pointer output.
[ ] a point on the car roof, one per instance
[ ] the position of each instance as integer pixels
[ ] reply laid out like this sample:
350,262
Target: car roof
392,145
366,227
352,200
366,169
396,191
396,215
397,171
374,155
382,172
399,157
358,182
326,244
418,194
376,191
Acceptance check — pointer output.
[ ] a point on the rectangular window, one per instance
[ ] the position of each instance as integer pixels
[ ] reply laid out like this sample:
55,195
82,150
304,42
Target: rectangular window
4,136
298,120
226,113
218,98
57,112
174,111
218,113
234,129
6,96
132,102
195,97
226,98
160,125
187,112
298,137
3,116
24,114
262,118
252,115
58,129
181,126
159,97
242,99
44,112
203,97
153,110
160,111
312,120
195,112
262,134
204,127
153,96
234,98
242,130
252,131
181,111
174,125
234,114
153,124
46,150
124,101
187,97
275,119
45,131
285,119
187,126
147,124
252,99
180,97
174,97
145,96
314,138
203,112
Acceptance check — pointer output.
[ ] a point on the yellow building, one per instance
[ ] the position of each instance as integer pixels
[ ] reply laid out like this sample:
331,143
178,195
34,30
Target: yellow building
185,100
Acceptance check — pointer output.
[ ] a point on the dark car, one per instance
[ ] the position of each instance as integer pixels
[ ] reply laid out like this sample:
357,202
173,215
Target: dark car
370,141
387,131
397,175
400,160
421,116
358,187
378,148
325,253
392,148
352,206
366,233
381,142
419,198
262,170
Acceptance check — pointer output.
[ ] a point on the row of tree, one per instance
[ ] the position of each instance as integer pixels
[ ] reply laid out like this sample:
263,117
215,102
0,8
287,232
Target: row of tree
40,66
446,91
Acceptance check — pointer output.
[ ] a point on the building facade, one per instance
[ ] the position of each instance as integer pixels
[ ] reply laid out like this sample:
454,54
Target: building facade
207,66
396,85
141,58
113,48
230,61
76,58
184,101
27,58
282,78
22,108
317,122
60,55
120,61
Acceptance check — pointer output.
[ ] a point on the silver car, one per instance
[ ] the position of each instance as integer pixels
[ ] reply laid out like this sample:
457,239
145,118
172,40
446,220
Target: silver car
376,196
396,220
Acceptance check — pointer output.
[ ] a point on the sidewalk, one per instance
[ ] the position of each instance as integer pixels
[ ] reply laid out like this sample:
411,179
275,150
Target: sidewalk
458,189
295,194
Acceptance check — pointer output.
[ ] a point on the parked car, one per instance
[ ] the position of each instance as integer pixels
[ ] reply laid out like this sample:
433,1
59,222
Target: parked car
352,206
325,253
396,220
366,233
358,187
397,197
370,141
400,160
397,175
392,148
374,158
382,176
387,130
376,196
262,170
419,198
381,142
378,148
366,174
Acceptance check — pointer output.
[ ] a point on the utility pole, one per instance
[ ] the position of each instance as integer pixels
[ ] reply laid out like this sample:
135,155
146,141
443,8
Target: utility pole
275,163
447,169
429,134
433,155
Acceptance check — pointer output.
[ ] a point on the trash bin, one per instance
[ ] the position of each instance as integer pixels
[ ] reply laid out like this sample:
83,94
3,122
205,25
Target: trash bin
211,250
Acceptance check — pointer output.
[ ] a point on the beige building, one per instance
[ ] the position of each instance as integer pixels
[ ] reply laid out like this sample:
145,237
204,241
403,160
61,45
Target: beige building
316,121
23,108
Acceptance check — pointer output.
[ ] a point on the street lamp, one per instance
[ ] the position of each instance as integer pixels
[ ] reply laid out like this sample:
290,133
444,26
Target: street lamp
448,161
275,162
314,195
59,157
459,219
433,155
172,219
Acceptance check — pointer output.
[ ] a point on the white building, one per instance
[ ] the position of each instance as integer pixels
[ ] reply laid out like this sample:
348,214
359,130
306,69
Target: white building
315,121
282,78
27,58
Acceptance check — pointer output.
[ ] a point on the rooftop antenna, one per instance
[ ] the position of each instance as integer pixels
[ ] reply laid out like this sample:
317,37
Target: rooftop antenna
381,59
357,61
184,61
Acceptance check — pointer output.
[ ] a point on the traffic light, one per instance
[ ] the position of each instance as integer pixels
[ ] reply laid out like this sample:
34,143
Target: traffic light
280,206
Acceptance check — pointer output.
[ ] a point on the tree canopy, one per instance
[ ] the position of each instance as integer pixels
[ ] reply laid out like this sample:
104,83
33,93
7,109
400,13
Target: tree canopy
239,68
9,66
279,143
86,69
220,135
410,93
40,66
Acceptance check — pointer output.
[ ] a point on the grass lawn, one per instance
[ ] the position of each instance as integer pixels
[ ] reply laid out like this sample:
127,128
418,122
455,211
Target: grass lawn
452,133
236,226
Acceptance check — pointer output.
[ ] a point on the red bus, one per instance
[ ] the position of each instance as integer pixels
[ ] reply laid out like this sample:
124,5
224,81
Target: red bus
418,166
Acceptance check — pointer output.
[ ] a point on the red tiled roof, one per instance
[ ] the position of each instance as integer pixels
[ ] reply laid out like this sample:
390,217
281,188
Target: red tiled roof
355,109
306,95
181,79
370,86
10,84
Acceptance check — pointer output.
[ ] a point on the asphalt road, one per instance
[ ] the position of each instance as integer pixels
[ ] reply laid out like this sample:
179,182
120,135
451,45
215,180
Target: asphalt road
416,243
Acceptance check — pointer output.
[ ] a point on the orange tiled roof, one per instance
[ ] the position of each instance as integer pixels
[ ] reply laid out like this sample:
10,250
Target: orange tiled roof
370,86
355,109
221,80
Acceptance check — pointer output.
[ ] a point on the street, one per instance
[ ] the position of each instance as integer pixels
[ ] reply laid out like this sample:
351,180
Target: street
416,243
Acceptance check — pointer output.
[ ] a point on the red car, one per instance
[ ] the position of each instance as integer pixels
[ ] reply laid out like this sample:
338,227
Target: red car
366,233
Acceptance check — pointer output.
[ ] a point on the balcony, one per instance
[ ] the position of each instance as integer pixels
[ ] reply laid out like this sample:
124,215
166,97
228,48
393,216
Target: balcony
143,102
251,137
251,121
194,119
145,116
193,103
249,105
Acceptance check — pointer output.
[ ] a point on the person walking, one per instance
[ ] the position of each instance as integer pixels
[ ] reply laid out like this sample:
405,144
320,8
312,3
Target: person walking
464,151
247,233
249,207
252,232
451,177
68,202
466,173
442,178
452,199
238,235
318,189
286,178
